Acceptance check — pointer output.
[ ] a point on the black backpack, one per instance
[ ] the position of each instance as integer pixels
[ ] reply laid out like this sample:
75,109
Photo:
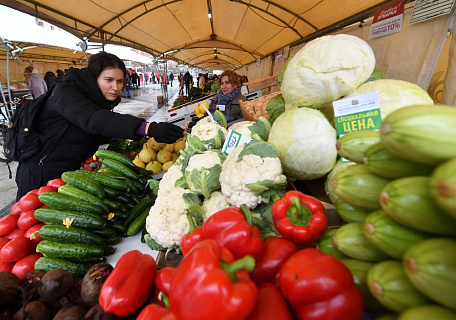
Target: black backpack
21,141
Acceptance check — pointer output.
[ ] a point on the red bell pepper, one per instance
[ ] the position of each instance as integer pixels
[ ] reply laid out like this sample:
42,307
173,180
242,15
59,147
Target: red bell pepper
299,217
204,288
270,305
232,228
163,281
319,286
129,284
276,251
192,238
156,312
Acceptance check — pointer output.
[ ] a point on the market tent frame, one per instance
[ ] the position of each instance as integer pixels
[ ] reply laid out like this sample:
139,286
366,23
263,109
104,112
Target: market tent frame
237,33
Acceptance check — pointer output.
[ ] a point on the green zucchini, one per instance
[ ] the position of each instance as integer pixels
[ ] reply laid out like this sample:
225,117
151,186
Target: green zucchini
83,195
70,235
74,219
61,201
119,168
77,269
138,223
115,156
55,249
109,181
138,209
84,182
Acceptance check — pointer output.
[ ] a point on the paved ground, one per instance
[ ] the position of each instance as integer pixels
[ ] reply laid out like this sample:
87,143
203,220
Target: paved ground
143,104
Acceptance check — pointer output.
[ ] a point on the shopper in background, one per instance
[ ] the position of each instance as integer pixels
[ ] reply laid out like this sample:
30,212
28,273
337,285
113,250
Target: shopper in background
60,75
187,80
180,78
78,118
37,84
201,81
28,72
229,96
171,78
50,79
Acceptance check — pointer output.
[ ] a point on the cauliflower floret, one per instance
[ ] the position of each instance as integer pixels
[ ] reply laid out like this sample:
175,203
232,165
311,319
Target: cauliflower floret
242,127
169,179
167,220
214,204
203,171
251,169
205,129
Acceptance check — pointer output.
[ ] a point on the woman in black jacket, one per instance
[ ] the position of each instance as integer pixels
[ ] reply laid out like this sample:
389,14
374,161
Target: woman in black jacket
77,118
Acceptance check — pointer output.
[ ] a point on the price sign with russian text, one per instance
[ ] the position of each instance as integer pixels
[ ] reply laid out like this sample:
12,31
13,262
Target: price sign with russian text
387,20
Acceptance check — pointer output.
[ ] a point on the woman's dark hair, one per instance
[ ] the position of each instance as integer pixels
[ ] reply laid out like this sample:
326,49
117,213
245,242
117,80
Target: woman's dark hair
233,78
102,61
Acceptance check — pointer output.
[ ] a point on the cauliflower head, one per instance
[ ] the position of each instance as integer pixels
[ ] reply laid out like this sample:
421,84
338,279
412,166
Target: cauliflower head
203,171
206,135
249,172
167,221
170,178
205,129
258,130
242,127
214,204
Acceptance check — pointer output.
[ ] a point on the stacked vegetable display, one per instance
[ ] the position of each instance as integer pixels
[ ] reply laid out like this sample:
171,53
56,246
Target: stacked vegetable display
90,213
398,196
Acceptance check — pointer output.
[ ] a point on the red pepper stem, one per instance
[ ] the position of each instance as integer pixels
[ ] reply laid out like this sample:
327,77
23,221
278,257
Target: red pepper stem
191,222
298,213
246,263
247,214
163,297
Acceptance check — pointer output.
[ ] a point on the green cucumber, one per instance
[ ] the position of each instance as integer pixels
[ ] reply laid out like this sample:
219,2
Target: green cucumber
123,198
427,312
422,133
353,145
389,236
106,232
70,235
119,227
48,264
110,192
388,282
112,204
55,249
350,213
119,168
359,187
138,209
409,202
61,201
431,267
132,186
326,245
113,240
119,215
83,195
384,163
71,218
443,187
108,181
138,223
115,156
351,241
84,182
359,270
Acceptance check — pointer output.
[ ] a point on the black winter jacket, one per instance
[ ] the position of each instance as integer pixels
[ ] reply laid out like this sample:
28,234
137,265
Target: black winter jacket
78,107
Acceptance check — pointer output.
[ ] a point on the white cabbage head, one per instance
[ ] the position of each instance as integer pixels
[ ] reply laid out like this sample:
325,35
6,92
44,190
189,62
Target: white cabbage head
394,94
306,142
326,69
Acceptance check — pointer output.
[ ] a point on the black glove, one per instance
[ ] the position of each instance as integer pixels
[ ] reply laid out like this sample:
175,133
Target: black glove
165,132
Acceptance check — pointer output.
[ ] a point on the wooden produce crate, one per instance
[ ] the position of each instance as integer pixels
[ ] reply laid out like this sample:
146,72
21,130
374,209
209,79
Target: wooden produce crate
261,83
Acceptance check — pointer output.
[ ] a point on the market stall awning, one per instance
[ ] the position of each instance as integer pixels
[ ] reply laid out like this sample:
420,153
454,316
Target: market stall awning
211,34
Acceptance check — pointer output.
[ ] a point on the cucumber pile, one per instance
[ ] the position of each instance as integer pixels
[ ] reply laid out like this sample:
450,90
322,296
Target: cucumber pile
92,212
398,197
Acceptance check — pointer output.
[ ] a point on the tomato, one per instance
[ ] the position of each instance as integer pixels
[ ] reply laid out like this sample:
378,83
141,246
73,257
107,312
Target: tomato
16,210
30,201
25,265
6,266
15,249
46,189
33,234
3,241
7,224
15,233
56,183
27,220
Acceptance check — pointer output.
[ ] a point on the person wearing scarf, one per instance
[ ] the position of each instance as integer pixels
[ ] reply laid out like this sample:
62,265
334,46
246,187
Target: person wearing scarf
229,96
